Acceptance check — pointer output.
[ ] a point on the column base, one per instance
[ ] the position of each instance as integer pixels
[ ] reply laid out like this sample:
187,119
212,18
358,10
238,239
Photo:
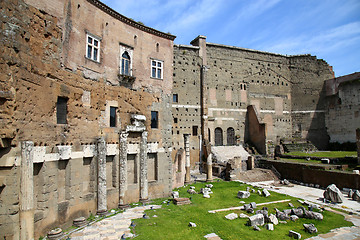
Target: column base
123,206
102,212
145,201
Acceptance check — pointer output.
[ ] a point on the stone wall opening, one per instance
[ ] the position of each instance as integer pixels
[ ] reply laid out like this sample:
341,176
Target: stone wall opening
230,132
132,169
255,132
152,167
218,137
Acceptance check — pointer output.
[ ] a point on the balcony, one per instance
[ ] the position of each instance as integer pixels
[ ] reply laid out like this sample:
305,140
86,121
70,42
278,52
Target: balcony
126,80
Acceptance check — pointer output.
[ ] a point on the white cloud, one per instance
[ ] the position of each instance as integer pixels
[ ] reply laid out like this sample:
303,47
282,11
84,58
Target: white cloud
196,13
324,42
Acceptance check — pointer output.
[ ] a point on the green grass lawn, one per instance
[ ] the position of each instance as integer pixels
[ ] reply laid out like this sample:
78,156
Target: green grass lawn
330,154
172,221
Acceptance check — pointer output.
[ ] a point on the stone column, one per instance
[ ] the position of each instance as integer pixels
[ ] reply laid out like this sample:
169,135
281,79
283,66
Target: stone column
187,158
209,177
27,191
250,163
123,169
144,194
101,190
358,143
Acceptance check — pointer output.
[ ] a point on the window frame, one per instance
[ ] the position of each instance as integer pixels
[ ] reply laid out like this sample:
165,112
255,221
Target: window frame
61,105
175,98
157,68
93,46
113,121
125,62
156,119
195,130
130,52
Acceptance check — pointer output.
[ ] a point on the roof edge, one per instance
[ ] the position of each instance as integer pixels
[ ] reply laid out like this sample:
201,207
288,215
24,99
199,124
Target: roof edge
257,51
129,21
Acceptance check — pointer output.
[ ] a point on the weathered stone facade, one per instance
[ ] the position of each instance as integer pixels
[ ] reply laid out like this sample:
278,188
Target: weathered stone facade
215,84
98,111
72,100
343,107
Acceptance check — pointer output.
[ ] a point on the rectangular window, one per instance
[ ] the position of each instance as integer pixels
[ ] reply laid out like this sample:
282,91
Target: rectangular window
175,98
195,130
157,69
154,119
113,116
93,48
61,110
175,120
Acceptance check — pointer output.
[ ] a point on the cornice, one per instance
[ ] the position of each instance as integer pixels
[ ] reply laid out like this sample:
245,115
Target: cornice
129,21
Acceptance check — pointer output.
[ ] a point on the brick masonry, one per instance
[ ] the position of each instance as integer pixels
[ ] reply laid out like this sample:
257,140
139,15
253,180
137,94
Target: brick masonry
216,83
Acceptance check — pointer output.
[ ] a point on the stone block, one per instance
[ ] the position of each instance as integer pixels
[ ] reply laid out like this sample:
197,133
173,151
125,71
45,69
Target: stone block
256,220
333,194
270,226
231,216
310,228
294,234
273,219
182,201
243,194
266,193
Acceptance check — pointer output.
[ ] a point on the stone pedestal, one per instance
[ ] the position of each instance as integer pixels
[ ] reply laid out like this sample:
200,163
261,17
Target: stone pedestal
123,170
250,163
209,177
144,194
187,158
27,191
101,190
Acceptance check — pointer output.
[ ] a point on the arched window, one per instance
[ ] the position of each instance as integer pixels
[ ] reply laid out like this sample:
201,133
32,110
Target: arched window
218,137
125,64
230,132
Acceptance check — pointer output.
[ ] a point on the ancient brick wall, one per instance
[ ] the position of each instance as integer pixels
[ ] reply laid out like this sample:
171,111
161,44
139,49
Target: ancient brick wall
343,109
308,98
302,173
42,59
240,77
286,91
186,102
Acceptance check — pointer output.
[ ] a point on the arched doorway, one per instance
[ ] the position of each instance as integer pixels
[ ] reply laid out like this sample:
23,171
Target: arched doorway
218,137
230,132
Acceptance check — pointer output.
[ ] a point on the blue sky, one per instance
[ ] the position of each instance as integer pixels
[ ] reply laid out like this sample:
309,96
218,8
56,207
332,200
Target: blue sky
328,29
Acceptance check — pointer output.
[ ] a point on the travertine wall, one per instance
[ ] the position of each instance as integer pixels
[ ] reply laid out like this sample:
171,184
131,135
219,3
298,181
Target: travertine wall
42,58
